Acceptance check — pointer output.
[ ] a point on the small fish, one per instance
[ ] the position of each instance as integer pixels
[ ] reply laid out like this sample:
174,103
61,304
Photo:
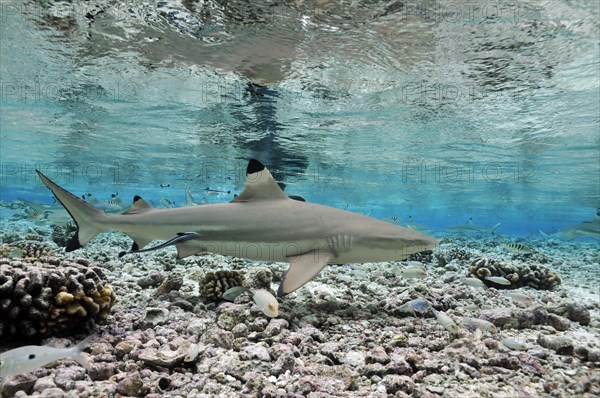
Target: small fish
35,215
498,279
520,297
262,298
266,302
416,307
192,353
418,227
114,204
412,273
189,199
232,293
165,185
469,227
393,219
15,253
480,324
215,191
27,358
516,247
166,202
473,282
90,198
514,345
445,321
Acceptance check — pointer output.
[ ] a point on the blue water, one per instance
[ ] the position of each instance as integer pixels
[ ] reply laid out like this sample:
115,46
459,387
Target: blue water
427,112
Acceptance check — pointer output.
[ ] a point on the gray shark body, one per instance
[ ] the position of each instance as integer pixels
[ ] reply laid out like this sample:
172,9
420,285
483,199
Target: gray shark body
262,223
470,228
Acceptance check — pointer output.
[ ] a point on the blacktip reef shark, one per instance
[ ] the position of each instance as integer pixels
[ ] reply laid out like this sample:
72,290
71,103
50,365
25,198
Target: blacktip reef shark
54,213
586,229
262,223
469,227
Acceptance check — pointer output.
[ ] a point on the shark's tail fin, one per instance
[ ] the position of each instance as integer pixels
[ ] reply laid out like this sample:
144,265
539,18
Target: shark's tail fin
90,220
495,227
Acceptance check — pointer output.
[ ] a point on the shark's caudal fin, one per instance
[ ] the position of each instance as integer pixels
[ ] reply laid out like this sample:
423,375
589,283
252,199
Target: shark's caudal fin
88,218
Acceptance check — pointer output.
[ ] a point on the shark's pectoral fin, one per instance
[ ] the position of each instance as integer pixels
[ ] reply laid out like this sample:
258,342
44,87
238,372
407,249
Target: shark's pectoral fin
181,238
303,268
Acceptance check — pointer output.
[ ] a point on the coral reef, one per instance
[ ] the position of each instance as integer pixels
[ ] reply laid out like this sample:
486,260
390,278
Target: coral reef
216,283
51,296
424,256
519,275
26,249
61,234
173,282
455,253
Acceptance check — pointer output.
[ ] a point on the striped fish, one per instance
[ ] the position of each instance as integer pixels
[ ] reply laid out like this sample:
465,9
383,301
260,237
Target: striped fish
516,247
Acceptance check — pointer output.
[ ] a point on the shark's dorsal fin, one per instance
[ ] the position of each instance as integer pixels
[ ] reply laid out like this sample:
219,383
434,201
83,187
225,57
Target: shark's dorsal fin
260,185
139,206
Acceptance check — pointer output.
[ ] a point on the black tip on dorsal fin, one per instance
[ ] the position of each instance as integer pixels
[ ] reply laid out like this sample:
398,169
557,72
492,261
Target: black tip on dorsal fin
121,254
139,206
254,166
135,247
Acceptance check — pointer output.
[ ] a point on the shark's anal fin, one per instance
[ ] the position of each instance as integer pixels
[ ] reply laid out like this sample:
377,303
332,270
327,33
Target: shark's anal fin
180,238
303,268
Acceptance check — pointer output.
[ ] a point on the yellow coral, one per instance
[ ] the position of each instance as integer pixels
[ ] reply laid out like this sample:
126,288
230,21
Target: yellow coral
63,298
76,308
89,303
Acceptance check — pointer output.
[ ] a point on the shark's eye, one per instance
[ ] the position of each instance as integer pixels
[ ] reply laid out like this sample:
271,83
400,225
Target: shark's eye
31,356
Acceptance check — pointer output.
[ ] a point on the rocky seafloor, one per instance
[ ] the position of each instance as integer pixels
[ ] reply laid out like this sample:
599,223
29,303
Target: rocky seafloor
345,334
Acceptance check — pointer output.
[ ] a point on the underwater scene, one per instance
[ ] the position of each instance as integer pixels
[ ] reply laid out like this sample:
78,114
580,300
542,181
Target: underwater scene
324,198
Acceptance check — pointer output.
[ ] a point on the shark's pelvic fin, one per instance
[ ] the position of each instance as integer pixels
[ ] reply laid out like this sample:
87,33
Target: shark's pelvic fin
260,185
181,237
303,268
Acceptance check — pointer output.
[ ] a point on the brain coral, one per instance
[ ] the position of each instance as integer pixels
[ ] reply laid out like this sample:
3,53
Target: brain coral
51,296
